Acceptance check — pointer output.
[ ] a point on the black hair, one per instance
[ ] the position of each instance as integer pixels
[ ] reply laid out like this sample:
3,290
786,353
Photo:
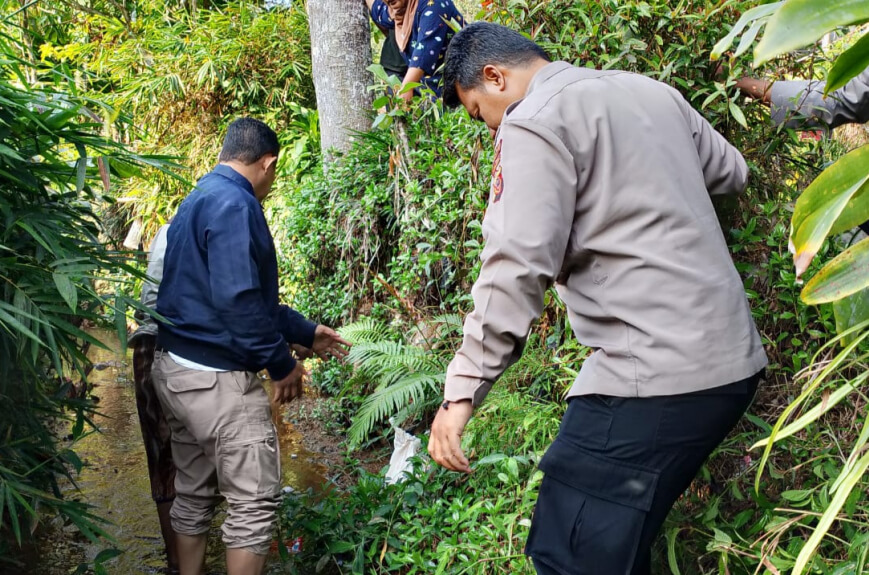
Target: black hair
478,45
248,140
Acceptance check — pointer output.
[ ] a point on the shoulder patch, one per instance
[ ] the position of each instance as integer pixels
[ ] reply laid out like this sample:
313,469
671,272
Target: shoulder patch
497,186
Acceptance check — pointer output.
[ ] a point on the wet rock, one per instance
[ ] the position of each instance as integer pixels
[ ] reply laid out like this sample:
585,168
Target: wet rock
111,363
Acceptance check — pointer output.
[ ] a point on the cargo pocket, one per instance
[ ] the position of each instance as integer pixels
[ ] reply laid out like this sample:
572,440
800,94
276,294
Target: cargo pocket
248,461
183,379
590,512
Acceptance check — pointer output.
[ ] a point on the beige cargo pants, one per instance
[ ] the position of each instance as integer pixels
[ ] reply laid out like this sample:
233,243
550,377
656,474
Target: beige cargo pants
225,446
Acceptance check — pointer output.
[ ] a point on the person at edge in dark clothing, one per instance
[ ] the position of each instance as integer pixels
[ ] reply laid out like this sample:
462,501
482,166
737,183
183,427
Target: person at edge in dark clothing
224,323
601,186
422,34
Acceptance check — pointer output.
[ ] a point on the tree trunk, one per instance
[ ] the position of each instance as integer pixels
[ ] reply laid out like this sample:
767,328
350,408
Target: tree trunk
340,57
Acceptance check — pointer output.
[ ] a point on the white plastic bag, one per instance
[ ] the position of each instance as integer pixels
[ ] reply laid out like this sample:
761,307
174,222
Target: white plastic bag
406,446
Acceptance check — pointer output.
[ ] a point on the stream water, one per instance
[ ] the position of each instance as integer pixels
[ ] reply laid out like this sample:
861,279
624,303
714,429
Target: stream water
115,482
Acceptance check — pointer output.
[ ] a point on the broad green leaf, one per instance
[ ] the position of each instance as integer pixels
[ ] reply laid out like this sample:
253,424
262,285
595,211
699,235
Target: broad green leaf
851,310
749,17
737,114
846,274
796,494
341,547
835,201
826,521
491,458
799,23
379,72
849,64
67,289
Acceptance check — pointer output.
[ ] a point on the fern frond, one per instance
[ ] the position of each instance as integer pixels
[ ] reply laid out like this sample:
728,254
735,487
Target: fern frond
366,330
416,389
376,359
450,321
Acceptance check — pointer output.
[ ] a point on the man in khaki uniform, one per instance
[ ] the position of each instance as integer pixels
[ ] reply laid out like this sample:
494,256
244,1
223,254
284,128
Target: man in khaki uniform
601,185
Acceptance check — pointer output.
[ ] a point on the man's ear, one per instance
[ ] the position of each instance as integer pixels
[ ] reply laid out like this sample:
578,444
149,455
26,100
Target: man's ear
494,76
268,161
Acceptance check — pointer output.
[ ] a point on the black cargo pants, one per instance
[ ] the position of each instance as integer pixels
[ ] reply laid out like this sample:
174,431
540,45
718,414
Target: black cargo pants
614,471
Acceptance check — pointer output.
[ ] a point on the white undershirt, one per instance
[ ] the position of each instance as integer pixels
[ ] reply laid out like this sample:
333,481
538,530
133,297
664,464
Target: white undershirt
193,365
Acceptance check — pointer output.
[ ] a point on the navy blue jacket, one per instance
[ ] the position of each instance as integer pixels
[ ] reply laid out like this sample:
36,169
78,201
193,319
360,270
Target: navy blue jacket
220,283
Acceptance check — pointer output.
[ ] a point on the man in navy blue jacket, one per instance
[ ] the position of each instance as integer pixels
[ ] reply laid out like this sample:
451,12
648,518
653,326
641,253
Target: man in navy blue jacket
220,296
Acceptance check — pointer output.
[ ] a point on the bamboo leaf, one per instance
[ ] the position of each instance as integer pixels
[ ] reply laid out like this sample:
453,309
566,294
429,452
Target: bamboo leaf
856,450
121,320
799,23
826,521
748,38
748,17
10,323
817,411
67,289
672,533
835,201
846,274
830,368
104,173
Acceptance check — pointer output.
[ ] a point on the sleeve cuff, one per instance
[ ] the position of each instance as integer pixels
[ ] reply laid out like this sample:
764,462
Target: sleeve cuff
281,369
307,331
461,387
798,104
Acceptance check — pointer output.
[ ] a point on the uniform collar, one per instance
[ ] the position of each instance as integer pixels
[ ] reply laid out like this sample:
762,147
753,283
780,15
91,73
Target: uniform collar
542,75
230,174
545,73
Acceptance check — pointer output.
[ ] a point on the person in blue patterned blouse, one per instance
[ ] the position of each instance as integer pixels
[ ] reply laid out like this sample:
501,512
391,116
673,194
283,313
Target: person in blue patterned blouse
422,32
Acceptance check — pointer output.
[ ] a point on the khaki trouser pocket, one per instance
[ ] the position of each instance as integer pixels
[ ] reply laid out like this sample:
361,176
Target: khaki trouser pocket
248,461
180,379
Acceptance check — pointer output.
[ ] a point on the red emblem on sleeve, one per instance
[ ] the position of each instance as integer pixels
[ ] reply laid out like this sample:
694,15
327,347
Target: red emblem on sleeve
497,175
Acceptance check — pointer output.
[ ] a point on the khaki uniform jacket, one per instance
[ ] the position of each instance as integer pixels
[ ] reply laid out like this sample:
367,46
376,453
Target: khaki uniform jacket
801,104
601,183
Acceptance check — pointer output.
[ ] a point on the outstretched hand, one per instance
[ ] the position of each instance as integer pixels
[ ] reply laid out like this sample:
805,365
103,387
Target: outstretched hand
327,343
445,442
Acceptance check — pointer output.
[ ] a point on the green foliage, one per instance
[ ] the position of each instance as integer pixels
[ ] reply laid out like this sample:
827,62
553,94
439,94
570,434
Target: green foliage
834,202
404,379
54,166
798,23
435,521
185,76
387,227
393,231
668,42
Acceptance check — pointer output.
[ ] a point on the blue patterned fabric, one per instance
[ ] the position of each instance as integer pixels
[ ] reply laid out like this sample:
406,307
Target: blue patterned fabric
430,37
